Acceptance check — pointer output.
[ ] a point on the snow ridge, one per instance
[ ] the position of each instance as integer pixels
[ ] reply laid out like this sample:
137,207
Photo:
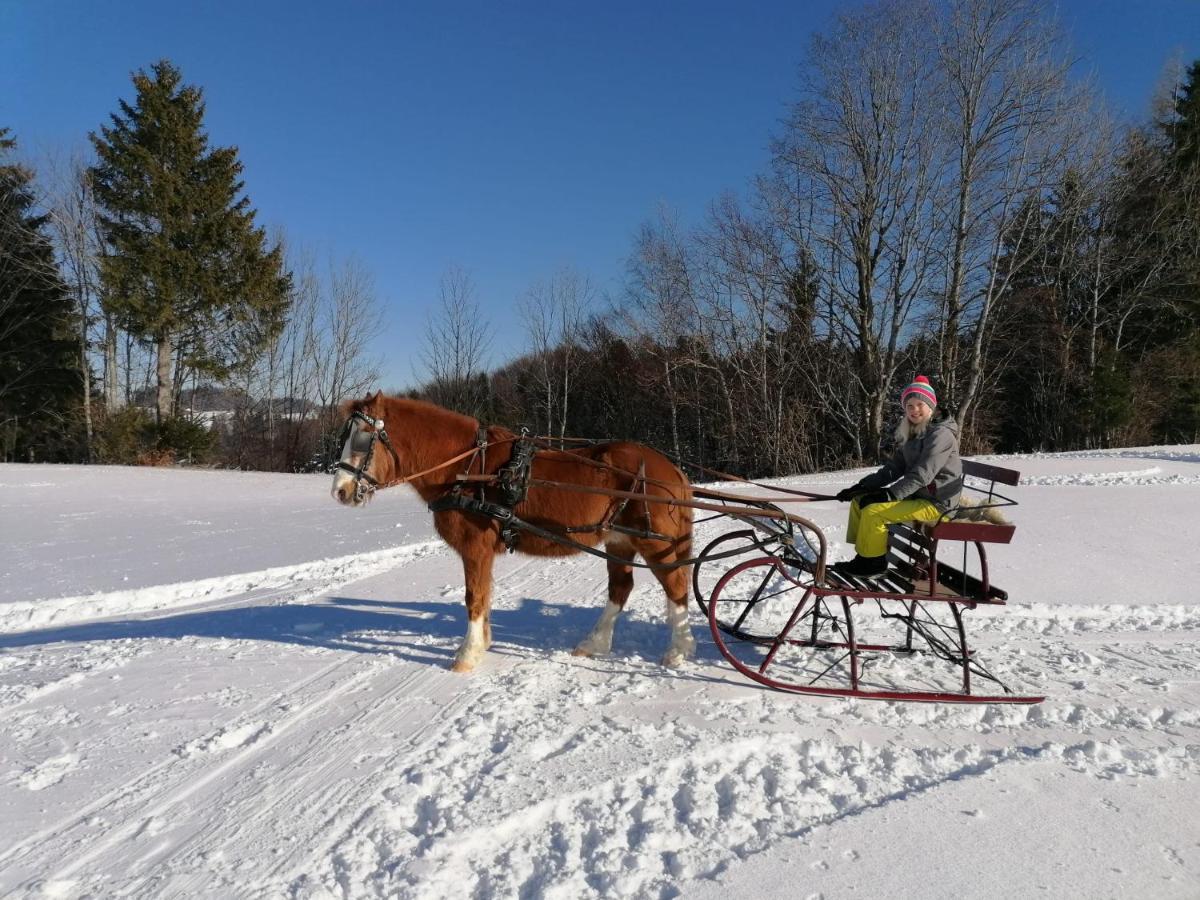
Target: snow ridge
24,615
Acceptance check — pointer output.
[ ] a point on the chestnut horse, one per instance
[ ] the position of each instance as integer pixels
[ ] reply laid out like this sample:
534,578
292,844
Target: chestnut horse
420,436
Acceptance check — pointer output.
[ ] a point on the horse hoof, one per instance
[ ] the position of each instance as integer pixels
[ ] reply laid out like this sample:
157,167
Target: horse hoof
462,667
674,659
582,651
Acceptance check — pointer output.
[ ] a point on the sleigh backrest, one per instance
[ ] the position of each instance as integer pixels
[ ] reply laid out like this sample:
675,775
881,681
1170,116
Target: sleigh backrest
981,480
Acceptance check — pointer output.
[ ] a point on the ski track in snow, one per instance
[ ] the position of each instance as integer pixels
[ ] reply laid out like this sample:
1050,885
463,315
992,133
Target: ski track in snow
297,760
537,779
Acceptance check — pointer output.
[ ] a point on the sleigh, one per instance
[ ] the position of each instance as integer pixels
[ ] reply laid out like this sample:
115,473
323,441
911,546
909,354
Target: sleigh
788,621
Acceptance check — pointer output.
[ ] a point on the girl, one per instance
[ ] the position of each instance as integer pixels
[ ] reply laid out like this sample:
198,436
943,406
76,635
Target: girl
921,482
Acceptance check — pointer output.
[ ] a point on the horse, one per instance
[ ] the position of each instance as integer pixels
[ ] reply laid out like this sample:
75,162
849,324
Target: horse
417,436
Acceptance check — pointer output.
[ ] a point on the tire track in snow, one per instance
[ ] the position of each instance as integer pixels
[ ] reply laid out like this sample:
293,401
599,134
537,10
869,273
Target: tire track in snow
150,786
455,826
233,787
343,772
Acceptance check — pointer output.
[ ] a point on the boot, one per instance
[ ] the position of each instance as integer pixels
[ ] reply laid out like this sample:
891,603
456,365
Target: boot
863,566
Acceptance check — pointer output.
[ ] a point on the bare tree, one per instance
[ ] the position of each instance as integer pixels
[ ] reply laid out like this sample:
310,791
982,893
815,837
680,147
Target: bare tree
75,226
320,358
862,161
1009,129
456,346
753,311
336,338
553,312
661,307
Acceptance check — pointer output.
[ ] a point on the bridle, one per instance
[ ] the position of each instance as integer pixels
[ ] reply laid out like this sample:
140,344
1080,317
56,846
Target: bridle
364,483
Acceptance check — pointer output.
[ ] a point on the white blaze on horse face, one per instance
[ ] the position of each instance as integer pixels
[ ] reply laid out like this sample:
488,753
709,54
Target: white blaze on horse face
343,490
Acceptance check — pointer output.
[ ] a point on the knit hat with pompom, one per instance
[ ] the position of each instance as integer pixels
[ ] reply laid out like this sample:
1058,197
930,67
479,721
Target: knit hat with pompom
922,390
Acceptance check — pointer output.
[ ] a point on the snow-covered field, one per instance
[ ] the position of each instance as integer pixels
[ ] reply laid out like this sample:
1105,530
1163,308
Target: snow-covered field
221,684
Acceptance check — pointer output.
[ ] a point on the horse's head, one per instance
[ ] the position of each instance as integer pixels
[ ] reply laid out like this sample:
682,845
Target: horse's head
368,459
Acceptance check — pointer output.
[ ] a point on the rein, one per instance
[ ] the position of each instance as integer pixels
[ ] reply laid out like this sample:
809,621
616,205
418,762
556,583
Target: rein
804,496
513,480
504,478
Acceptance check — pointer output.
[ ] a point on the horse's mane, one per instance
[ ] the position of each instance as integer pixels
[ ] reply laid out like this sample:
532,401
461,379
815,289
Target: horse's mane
410,405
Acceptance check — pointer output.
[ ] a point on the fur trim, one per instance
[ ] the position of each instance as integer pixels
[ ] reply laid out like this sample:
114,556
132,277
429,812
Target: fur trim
973,510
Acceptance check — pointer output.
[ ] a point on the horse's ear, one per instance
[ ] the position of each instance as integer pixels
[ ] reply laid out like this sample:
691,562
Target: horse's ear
378,394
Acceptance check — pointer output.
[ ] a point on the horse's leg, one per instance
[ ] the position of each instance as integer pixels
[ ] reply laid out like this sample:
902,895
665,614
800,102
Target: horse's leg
677,585
620,583
477,558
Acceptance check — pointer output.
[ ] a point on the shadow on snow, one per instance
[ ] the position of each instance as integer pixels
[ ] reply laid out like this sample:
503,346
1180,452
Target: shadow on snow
418,631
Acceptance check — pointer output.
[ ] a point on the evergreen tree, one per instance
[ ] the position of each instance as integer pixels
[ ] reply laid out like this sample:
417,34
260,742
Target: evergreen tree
1155,309
1158,225
40,379
1183,129
1184,192
186,269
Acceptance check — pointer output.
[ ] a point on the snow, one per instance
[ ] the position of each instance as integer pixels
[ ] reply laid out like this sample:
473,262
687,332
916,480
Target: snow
224,684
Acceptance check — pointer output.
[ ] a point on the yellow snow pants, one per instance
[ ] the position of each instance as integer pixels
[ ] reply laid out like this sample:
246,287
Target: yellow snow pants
867,528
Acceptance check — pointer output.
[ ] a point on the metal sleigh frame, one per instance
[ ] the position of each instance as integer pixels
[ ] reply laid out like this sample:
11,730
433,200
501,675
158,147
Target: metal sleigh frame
817,649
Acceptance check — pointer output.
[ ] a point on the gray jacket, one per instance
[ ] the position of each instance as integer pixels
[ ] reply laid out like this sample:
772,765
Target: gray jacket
925,467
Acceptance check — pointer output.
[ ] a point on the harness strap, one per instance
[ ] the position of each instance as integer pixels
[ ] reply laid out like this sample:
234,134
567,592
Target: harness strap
512,480
449,462
514,525
510,525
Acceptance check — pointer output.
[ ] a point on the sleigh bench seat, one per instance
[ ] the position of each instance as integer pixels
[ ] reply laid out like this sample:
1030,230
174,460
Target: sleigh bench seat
908,578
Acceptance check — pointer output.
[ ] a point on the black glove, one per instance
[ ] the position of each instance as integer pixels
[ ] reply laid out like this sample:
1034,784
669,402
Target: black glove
882,495
848,494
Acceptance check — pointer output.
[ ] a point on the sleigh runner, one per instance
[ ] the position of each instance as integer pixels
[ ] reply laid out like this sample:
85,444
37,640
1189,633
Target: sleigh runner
779,615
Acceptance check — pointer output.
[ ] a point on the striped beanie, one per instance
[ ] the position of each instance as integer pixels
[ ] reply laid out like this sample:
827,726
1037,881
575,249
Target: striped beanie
922,389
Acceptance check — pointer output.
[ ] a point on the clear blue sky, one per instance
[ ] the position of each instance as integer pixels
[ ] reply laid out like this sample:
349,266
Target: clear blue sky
508,138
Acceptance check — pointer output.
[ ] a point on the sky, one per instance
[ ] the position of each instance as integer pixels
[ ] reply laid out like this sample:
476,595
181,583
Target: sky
508,139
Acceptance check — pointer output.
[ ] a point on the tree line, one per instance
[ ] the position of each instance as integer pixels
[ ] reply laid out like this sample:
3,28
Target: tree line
943,197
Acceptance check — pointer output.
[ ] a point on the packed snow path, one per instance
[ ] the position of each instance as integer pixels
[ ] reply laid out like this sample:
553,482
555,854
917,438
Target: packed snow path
222,684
